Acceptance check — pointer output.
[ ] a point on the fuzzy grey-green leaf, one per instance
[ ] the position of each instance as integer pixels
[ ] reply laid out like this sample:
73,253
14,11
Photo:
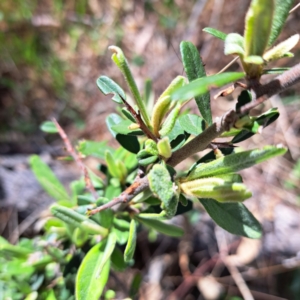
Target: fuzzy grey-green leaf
234,44
161,184
258,25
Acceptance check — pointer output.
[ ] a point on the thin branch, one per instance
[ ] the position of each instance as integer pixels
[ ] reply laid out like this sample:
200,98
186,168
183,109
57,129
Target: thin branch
139,185
77,158
139,120
229,64
276,86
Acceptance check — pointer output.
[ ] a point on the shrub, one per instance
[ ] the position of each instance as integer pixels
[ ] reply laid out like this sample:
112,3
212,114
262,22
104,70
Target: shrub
142,184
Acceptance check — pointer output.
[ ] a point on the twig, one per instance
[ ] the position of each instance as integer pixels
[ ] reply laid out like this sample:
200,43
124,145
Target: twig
77,158
229,64
235,274
294,8
137,187
139,120
276,86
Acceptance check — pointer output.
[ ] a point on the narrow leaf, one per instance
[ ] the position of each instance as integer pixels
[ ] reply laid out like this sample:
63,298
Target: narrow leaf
88,285
48,127
47,179
216,33
202,85
108,250
275,70
194,69
108,86
170,121
161,227
120,60
218,188
75,219
131,244
281,49
281,13
92,148
258,27
163,104
235,162
234,44
233,217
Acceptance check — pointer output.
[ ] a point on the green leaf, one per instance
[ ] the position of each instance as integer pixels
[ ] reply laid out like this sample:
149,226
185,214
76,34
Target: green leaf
128,142
258,27
161,185
112,120
108,86
48,127
163,104
47,179
123,128
112,166
11,251
120,60
92,148
234,44
280,15
108,250
216,33
281,49
135,285
235,162
88,285
192,124
121,229
161,227
131,243
117,260
170,121
148,95
244,98
218,188
194,69
233,217
128,114
164,147
202,85
75,219
275,70
263,121
254,59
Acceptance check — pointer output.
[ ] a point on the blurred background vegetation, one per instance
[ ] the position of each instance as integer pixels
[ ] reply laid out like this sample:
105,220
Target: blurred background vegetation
52,51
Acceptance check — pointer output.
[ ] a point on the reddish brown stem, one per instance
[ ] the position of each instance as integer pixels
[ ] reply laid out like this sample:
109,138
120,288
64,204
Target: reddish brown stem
76,157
